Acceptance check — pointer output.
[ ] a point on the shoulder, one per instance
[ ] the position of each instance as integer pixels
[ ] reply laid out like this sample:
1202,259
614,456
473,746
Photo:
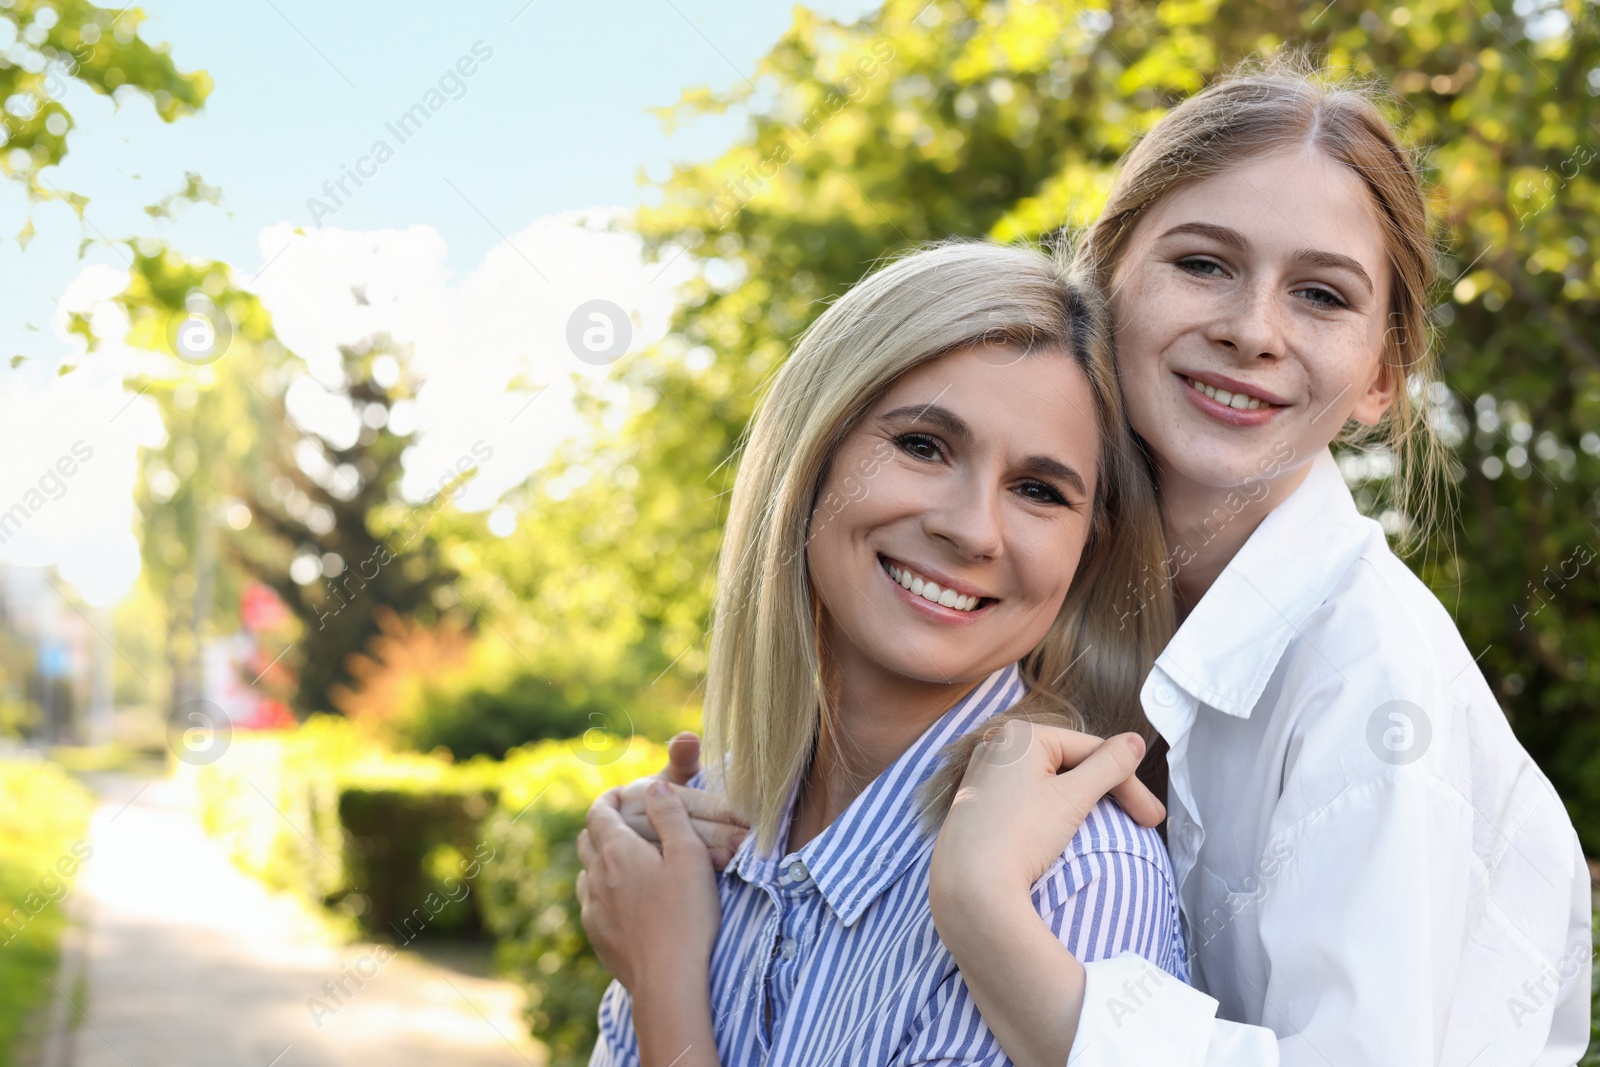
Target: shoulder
1113,891
1380,621
1109,844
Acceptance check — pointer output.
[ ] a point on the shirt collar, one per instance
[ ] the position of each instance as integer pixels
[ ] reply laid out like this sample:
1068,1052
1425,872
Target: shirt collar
864,850
1226,650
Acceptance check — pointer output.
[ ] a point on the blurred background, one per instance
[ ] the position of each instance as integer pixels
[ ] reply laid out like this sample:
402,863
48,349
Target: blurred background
369,380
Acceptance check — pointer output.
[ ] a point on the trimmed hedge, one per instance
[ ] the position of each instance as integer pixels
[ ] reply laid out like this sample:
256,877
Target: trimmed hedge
529,889
412,846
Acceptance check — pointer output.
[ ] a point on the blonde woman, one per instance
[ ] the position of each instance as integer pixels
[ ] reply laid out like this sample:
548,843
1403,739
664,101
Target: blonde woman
934,520
1371,869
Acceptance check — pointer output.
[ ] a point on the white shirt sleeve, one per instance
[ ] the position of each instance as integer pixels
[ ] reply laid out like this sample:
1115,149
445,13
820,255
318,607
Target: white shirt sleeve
1134,1015
1375,957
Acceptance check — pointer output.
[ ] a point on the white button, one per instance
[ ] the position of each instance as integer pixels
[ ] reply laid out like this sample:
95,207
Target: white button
797,871
789,948
1166,696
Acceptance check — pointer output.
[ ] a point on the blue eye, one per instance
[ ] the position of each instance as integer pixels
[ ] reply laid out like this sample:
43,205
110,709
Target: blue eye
1324,297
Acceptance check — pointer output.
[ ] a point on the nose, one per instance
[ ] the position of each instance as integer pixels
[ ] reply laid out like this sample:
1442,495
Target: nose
1250,324
968,518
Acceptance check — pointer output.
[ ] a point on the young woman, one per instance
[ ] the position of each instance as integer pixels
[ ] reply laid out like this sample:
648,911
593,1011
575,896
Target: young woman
921,537
1371,868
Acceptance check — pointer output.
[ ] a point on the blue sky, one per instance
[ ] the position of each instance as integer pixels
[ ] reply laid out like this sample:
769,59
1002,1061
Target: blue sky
555,121
522,166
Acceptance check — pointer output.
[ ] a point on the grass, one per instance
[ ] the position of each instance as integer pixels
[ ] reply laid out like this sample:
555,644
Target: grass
44,821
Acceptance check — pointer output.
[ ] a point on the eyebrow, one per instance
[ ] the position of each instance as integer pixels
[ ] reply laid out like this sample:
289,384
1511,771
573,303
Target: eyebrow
952,424
1237,241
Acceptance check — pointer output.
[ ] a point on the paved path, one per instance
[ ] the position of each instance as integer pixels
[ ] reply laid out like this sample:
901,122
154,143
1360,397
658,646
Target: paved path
189,962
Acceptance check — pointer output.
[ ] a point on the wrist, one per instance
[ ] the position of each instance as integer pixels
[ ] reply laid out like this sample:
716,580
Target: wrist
973,910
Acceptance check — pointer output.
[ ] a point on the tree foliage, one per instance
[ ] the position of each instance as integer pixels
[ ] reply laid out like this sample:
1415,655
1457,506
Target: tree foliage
58,42
967,118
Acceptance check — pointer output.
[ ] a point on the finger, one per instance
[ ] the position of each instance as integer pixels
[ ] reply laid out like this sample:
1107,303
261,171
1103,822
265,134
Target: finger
678,837
639,823
1082,787
1052,748
583,891
609,830
1142,806
586,852
683,758
718,835
708,807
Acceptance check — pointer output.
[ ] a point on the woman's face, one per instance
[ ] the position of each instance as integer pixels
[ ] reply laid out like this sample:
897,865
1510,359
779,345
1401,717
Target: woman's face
1251,311
951,520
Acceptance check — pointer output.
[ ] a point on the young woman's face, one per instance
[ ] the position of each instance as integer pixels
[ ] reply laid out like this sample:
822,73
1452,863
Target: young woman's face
971,482
1251,311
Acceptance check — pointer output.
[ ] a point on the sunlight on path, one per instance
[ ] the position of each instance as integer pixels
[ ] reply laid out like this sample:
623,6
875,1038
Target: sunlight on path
191,962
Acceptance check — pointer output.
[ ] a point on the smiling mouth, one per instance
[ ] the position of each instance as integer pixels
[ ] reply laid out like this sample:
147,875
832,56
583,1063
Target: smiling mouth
931,591
1237,401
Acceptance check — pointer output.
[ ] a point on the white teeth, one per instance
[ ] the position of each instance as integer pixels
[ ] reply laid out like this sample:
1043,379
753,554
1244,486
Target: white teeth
930,591
1225,398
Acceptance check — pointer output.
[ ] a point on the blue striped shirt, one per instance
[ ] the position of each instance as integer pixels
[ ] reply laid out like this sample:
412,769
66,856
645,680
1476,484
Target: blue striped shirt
828,954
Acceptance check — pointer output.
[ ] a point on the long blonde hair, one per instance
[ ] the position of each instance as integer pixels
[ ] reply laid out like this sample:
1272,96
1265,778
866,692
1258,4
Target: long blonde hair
1281,103
765,696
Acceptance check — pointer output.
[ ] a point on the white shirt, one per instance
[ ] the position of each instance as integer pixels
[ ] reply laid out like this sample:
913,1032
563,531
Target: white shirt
1371,868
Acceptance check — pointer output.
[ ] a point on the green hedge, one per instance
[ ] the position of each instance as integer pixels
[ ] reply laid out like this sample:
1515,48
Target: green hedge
44,822
529,889
409,846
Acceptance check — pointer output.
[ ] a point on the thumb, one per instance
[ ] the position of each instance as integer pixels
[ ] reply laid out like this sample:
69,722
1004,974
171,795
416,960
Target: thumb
683,758
671,822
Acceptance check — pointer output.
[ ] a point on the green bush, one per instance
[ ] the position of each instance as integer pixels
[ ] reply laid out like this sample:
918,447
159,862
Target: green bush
276,802
408,855
472,717
44,820
529,888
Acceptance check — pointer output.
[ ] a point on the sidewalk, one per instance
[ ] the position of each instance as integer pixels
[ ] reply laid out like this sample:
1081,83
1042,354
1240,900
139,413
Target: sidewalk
190,963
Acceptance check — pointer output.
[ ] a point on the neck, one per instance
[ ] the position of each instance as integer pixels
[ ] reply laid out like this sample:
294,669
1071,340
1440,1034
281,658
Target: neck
1206,526
877,715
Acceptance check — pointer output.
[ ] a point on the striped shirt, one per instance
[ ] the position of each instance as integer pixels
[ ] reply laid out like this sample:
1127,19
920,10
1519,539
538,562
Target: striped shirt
828,954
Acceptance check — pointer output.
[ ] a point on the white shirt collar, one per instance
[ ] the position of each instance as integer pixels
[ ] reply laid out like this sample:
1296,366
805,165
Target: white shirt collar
1226,650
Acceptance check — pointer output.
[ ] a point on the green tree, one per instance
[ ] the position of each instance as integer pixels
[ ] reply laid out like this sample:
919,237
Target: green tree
62,41
968,118
318,501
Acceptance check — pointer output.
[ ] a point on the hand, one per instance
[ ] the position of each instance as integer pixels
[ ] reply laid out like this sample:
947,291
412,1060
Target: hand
719,827
651,915
1026,791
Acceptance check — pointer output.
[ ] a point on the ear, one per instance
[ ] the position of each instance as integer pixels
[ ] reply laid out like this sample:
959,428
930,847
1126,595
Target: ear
1379,394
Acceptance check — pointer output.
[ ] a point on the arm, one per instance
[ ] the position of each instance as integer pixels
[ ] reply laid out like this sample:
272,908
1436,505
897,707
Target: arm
653,918
1027,984
1016,811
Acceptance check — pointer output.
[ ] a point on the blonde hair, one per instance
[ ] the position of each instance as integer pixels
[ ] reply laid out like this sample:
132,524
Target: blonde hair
1279,104
765,692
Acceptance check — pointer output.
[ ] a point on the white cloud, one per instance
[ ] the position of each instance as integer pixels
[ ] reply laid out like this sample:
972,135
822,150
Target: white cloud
505,320
471,336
